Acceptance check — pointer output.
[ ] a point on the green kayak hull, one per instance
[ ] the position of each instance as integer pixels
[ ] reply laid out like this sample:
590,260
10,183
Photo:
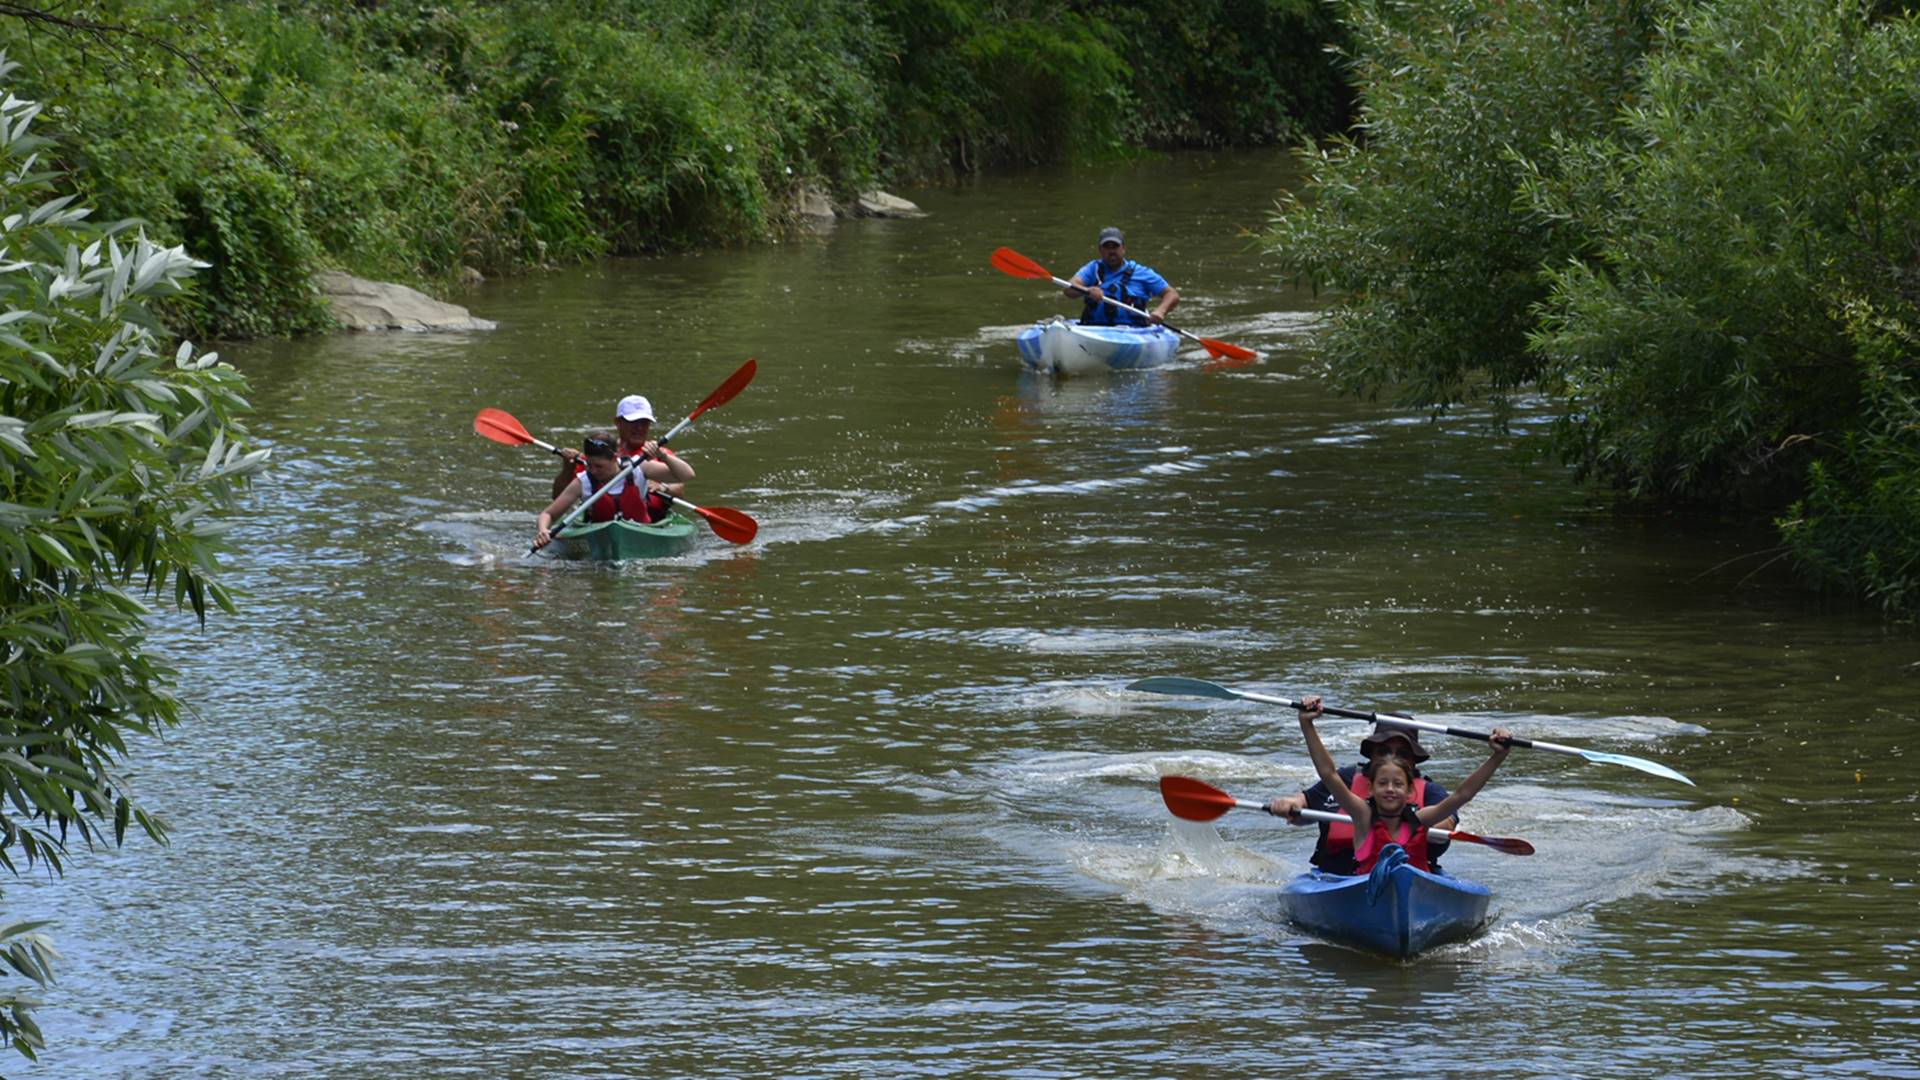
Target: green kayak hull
611,541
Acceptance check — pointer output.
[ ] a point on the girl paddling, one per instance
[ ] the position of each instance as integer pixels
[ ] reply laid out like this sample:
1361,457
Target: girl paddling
632,499
1385,816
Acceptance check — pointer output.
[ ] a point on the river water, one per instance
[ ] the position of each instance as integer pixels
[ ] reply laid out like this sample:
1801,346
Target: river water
868,796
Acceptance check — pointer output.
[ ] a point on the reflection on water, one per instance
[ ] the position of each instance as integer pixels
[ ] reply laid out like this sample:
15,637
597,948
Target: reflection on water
868,795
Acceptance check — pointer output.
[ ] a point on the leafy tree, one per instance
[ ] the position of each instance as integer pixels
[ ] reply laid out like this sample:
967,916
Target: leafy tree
1700,236
116,465
1763,181
1746,323
1416,216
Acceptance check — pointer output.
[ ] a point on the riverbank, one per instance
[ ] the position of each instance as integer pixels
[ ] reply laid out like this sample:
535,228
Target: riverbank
425,143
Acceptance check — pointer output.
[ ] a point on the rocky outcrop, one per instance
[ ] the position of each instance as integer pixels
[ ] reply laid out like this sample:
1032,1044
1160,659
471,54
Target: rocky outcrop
814,206
360,304
880,204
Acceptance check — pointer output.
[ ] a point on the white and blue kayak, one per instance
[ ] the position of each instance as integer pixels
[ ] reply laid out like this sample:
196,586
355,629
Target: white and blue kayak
1069,348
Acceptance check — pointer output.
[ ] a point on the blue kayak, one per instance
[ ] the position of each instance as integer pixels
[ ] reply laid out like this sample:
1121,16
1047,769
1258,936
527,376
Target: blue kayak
1068,348
1396,910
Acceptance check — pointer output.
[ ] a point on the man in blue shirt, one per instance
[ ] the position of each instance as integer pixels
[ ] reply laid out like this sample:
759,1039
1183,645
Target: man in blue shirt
1114,275
1337,857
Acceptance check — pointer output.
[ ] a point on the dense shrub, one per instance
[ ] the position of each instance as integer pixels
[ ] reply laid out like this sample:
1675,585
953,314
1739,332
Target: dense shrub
411,138
1219,72
1858,527
1746,318
1416,215
980,85
1698,233
1764,176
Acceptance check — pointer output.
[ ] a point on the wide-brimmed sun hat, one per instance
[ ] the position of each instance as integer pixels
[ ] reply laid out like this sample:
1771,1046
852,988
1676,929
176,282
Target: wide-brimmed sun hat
1383,731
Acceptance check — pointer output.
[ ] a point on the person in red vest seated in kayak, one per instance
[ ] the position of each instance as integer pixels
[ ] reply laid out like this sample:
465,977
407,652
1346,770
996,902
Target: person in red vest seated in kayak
1334,851
1115,275
633,418
1385,817
629,499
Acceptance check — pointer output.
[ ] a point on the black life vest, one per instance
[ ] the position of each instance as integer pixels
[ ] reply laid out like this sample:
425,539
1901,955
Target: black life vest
1117,285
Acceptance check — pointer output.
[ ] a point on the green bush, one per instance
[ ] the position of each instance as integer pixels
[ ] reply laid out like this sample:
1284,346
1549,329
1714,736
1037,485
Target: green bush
410,138
669,155
145,139
978,86
1764,176
1858,527
1417,215
1696,233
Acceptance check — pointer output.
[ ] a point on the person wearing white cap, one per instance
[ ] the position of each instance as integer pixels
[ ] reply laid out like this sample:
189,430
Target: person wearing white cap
633,418
1115,275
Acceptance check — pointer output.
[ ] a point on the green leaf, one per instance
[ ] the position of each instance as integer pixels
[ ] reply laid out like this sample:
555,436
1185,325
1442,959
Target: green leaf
50,549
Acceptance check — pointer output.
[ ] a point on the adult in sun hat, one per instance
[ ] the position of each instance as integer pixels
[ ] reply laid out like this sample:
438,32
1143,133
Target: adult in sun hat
1114,275
633,419
1334,852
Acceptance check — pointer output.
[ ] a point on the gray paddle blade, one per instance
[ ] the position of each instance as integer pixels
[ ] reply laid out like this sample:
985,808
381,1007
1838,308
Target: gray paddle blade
1183,687
1630,762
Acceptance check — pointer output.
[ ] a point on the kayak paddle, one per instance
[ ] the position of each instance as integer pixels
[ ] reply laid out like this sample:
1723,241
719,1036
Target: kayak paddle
500,426
1008,261
1182,687
735,383
1195,801
728,524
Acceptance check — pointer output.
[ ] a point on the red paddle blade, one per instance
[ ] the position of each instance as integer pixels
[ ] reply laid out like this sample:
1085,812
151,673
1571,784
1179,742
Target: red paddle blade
735,383
1008,261
728,524
1512,845
501,427
1224,365
1190,799
1228,351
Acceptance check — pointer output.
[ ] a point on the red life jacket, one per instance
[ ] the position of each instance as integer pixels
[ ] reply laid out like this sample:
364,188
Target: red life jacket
1340,834
658,504
631,503
1406,831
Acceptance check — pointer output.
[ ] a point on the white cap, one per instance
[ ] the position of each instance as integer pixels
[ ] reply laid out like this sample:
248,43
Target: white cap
633,407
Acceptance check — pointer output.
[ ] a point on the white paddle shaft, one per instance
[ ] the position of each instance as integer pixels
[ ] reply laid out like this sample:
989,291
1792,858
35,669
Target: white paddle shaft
1121,306
1322,815
581,506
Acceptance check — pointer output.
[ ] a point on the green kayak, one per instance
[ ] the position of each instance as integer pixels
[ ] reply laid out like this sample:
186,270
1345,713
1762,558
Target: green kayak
609,541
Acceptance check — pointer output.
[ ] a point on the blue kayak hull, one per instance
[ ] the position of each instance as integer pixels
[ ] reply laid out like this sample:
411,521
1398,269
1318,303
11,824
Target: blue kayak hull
1068,348
1400,912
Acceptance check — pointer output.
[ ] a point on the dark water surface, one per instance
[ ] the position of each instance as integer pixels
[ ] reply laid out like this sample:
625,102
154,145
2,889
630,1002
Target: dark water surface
867,797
